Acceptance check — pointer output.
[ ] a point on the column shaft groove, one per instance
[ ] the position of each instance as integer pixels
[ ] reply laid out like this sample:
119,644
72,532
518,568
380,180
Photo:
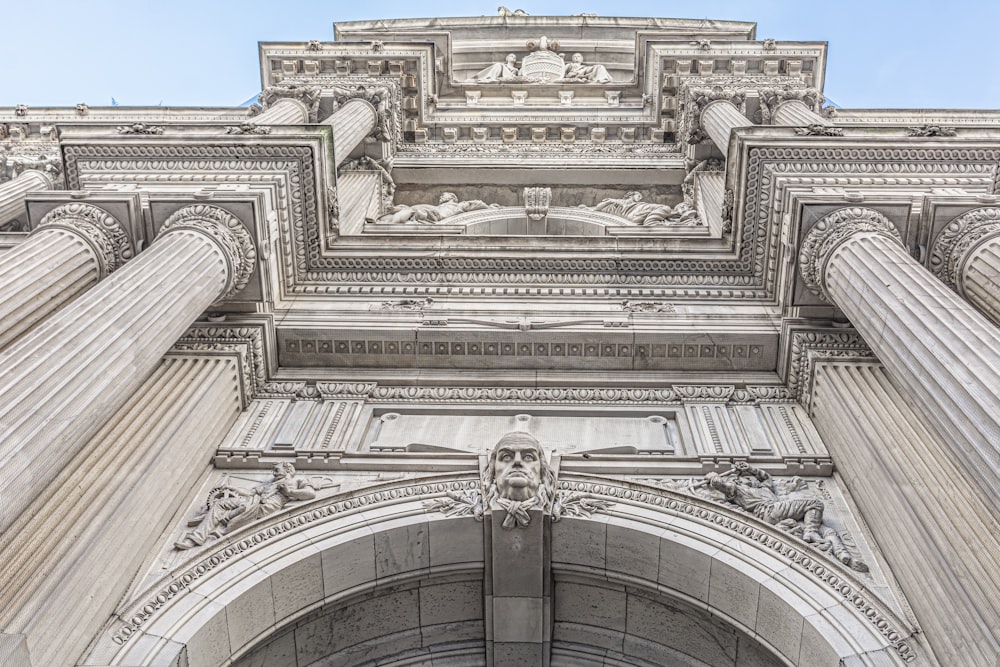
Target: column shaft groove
65,378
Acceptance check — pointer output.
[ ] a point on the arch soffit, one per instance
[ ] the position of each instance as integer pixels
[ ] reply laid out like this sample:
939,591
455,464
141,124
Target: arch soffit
739,569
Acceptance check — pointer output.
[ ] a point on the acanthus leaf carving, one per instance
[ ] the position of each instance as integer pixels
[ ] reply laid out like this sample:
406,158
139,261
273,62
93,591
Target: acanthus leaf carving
104,233
830,232
228,233
953,243
307,95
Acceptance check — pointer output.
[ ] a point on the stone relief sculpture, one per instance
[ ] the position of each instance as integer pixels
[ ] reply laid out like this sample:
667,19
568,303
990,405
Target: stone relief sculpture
498,71
578,72
647,214
782,504
430,214
518,478
228,507
543,65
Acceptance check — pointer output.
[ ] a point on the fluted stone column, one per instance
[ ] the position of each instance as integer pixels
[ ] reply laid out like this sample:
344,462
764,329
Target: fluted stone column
74,246
69,559
351,123
12,192
938,349
61,381
285,111
966,256
936,530
796,113
718,119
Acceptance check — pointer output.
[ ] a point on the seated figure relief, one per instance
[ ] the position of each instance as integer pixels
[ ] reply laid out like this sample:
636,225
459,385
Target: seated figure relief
229,507
429,214
544,64
578,72
498,71
647,214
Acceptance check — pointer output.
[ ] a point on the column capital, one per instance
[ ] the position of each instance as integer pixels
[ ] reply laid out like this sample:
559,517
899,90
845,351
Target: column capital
829,233
106,235
227,232
954,245
772,98
698,100
308,96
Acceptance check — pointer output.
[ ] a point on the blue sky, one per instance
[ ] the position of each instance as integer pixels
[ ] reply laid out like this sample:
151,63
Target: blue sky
187,53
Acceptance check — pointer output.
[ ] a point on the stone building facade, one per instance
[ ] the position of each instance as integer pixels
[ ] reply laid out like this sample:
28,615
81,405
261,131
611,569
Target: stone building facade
506,341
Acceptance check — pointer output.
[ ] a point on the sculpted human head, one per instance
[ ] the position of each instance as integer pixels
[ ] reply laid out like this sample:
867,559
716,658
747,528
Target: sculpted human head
283,470
511,58
578,58
447,196
518,466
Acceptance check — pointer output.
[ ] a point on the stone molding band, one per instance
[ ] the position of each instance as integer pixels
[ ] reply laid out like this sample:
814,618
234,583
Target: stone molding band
227,232
959,240
101,230
829,233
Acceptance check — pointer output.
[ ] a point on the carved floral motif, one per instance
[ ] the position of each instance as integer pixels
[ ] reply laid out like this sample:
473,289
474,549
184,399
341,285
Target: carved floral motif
140,129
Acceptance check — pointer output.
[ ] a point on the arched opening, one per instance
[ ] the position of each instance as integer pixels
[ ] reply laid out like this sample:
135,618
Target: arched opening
389,581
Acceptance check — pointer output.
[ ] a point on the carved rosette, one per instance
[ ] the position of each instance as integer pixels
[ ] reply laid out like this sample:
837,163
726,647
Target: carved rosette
101,230
827,234
226,230
307,95
954,244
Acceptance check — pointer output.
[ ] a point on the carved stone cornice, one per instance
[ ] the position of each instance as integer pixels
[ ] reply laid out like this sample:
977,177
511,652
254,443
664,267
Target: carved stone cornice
226,230
770,98
951,247
103,231
696,99
307,95
806,348
827,234
246,340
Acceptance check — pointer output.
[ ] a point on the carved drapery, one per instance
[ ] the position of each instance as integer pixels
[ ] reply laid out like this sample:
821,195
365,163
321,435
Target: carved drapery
75,246
83,362
966,256
935,346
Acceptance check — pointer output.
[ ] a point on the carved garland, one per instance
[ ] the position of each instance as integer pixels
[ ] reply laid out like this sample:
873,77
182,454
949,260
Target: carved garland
955,243
827,235
229,235
101,230
834,576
